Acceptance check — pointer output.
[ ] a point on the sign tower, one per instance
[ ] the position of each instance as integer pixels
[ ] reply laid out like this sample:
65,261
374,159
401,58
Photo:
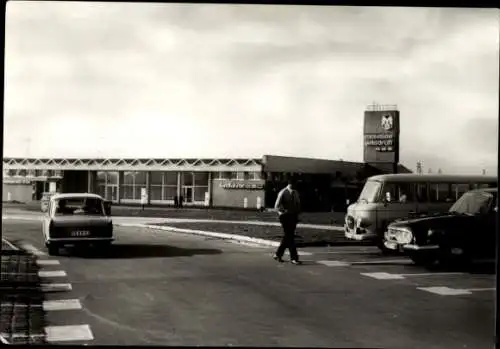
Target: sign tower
381,136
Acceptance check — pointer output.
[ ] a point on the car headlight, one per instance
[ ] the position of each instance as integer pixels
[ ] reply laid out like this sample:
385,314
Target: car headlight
404,236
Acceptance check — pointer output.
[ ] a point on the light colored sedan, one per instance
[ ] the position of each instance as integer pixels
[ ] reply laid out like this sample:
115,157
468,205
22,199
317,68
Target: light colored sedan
77,219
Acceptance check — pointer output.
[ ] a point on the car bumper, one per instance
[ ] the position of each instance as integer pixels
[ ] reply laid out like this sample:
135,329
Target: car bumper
392,245
78,240
359,234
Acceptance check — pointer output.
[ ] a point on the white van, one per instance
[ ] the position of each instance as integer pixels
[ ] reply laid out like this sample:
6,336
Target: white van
385,198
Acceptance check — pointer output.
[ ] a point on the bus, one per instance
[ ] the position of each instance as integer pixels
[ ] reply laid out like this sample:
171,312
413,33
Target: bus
388,197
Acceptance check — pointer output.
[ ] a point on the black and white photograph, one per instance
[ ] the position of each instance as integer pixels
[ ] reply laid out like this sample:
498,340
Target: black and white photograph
249,175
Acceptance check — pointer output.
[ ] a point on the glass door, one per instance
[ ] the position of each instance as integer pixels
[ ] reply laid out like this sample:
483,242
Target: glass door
188,194
112,193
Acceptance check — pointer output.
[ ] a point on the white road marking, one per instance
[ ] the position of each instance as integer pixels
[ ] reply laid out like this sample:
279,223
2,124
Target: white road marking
56,287
431,274
447,291
482,289
47,262
384,276
33,250
334,263
301,253
62,304
10,244
68,333
383,261
52,273
389,276
344,252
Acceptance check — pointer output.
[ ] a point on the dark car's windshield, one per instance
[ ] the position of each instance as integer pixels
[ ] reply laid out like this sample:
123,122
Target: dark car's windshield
370,192
80,206
474,203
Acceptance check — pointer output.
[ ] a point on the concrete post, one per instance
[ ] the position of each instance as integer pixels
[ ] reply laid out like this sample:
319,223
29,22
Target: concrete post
210,188
179,184
119,187
148,186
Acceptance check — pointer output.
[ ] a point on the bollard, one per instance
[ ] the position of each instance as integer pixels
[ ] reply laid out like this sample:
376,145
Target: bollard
245,203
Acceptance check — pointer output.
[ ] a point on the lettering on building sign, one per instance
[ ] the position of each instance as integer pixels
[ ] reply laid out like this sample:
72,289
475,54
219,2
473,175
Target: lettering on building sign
233,185
381,142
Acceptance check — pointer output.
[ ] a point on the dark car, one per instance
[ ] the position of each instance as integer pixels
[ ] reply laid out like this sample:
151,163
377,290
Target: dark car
466,232
77,219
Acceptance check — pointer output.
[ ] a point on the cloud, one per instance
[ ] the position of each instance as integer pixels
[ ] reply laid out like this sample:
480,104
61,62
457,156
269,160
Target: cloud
204,80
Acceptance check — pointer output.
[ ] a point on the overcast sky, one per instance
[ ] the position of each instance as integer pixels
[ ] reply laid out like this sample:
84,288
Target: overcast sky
200,80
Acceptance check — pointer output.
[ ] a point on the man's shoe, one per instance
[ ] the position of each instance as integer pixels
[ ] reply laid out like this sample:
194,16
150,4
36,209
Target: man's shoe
296,262
277,258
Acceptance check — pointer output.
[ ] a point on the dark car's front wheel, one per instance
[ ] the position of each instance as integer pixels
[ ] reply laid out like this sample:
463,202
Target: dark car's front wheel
53,249
422,259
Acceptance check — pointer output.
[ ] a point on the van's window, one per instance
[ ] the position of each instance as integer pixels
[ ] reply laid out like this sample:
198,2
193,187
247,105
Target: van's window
486,185
421,192
370,192
459,189
440,192
400,192
473,203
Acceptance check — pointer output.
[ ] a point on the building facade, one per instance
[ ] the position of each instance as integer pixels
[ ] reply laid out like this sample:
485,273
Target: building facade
238,183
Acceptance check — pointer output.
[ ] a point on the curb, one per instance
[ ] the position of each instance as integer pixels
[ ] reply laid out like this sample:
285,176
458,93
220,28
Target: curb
223,236
235,237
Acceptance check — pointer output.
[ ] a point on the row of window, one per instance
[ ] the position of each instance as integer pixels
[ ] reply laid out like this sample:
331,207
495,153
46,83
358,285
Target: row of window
33,173
430,192
239,176
157,192
170,178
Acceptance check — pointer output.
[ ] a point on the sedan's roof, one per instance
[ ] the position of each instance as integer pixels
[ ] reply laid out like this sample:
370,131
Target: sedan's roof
75,196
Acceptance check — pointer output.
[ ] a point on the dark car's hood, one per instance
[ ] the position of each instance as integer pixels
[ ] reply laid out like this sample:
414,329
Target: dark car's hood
445,221
86,220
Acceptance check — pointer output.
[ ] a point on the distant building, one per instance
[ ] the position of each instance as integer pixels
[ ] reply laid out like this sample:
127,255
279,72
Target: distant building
324,184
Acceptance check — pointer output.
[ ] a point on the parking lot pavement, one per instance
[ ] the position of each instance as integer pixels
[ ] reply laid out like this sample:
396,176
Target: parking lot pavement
159,288
476,281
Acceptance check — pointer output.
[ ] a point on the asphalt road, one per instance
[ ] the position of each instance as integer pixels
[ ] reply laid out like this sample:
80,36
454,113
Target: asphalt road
159,288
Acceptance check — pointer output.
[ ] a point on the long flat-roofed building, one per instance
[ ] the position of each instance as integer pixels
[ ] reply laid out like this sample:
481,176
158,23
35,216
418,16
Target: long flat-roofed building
250,183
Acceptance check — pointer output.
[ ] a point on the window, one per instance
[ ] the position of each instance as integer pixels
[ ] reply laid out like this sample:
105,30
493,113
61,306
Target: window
156,178
421,192
233,175
85,206
140,178
187,178
170,178
169,192
112,178
440,192
400,192
199,193
201,179
253,176
459,189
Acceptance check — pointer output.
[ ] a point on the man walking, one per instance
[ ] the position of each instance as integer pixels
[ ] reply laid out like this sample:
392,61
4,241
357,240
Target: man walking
288,206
